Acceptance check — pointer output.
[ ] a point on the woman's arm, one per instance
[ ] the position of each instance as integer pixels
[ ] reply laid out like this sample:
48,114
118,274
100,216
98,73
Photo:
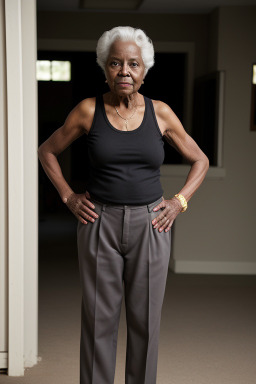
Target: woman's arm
177,137
57,143
188,148
77,123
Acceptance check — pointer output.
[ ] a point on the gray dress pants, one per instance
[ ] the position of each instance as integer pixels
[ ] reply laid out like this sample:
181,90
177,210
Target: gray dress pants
121,248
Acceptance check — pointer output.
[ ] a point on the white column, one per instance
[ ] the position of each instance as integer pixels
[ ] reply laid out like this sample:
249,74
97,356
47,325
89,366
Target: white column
3,199
30,141
15,187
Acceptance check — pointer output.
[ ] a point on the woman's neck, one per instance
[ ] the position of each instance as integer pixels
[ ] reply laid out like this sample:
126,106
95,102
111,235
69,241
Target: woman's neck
127,101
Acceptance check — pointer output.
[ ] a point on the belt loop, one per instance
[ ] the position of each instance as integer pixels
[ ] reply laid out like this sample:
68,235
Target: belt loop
103,207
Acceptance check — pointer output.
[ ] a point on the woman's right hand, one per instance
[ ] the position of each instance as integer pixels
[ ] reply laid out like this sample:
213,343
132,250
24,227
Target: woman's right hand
81,207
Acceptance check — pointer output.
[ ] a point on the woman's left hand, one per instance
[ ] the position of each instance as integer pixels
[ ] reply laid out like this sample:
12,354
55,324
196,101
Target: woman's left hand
167,216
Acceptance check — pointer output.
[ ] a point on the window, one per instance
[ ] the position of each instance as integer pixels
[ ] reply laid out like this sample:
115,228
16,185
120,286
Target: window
54,70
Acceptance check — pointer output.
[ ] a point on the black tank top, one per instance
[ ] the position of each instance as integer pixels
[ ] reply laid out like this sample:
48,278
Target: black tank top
125,165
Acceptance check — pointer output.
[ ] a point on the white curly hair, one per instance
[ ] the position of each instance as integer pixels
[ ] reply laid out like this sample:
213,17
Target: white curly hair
125,34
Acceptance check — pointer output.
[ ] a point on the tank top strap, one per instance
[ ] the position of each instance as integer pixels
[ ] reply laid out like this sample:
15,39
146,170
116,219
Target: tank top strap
152,114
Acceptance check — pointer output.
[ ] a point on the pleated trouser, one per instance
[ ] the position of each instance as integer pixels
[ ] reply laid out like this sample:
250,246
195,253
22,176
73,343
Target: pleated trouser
121,249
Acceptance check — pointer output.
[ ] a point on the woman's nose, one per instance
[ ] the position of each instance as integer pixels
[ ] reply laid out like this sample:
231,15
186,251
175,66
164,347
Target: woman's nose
124,70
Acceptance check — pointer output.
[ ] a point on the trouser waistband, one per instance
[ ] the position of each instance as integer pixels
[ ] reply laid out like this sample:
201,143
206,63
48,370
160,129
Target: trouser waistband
149,206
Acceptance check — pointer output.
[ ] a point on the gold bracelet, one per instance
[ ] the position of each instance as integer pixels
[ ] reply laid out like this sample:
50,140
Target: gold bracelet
183,202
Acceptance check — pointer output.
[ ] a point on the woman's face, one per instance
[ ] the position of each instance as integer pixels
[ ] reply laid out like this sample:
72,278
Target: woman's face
124,68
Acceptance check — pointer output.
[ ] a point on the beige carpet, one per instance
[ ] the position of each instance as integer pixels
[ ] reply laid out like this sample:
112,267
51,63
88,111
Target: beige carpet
208,327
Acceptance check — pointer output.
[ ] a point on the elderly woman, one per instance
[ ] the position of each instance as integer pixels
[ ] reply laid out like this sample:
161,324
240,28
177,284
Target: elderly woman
124,222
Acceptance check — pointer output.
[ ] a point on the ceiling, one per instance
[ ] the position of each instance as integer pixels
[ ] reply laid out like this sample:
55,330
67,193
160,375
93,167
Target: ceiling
149,6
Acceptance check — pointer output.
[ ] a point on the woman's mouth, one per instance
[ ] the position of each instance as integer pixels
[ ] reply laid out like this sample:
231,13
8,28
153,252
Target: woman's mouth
124,84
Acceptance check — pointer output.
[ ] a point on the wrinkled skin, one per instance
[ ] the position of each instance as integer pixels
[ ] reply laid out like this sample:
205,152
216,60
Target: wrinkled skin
82,207
167,216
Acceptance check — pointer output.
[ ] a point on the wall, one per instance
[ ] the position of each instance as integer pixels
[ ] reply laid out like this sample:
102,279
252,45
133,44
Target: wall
217,235
213,40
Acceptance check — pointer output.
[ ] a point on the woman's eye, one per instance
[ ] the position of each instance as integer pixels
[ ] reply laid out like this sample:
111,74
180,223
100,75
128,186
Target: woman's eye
134,64
114,63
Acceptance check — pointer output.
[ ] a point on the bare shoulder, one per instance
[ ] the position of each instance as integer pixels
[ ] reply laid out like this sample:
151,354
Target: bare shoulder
88,104
166,118
85,110
79,119
77,123
162,109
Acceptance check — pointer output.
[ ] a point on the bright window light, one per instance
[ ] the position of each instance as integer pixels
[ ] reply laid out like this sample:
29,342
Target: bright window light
43,70
254,74
53,70
61,70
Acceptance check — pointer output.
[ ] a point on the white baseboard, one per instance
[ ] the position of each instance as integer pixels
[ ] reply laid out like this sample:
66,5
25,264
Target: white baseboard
213,267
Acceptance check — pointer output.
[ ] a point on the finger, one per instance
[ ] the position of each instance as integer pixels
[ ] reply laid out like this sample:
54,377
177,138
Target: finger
83,221
88,211
86,216
164,225
168,227
159,206
160,219
87,203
